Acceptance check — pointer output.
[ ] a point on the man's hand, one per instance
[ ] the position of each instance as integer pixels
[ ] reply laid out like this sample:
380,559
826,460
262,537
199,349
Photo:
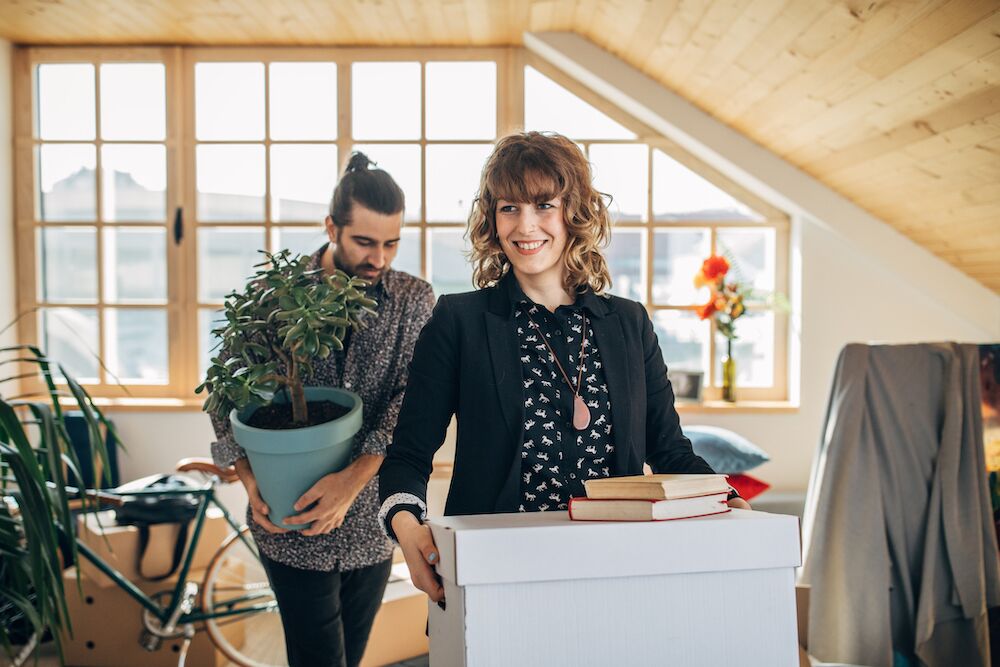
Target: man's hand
258,507
420,552
739,503
332,495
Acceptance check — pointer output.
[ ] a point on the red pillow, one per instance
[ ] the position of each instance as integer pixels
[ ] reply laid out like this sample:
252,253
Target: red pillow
749,487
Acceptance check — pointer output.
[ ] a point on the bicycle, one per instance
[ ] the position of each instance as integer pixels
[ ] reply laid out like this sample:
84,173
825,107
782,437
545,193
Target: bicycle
234,589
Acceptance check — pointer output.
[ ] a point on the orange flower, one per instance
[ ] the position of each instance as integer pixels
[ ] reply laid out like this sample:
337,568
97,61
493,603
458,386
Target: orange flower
706,311
714,267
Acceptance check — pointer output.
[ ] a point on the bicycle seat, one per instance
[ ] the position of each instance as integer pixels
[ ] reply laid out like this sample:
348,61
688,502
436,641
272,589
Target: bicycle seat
205,465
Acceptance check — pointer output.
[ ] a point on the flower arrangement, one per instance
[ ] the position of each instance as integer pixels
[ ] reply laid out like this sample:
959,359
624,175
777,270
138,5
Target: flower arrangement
727,301
726,304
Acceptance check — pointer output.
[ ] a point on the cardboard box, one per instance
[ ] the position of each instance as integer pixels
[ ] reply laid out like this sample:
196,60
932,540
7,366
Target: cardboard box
119,545
705,591
400,629
107,624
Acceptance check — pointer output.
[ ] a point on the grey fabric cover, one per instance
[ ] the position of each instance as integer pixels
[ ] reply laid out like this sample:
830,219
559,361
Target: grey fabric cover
898,532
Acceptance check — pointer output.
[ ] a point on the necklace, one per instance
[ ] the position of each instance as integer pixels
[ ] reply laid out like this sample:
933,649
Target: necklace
581,413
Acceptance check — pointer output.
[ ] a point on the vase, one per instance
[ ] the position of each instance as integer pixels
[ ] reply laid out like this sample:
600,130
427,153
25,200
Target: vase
287,463
729,374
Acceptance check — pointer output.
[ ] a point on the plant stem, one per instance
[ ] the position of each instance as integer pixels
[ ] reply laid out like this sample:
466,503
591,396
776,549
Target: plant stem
297,393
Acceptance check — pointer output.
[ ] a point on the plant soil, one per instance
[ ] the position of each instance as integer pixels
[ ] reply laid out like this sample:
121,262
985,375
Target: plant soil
278,416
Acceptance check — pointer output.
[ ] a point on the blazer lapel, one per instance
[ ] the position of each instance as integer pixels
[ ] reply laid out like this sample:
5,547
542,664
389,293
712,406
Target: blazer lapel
614,355
510,394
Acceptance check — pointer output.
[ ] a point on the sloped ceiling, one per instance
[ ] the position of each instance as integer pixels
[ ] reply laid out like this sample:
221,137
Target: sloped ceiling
894,104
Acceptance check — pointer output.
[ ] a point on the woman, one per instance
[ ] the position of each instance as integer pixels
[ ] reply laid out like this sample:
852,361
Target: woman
552,381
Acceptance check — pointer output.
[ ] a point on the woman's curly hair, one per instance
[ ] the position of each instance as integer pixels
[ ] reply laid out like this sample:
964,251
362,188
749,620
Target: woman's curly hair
538,167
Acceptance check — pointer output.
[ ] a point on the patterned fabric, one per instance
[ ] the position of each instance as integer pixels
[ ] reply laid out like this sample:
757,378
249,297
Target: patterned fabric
555,457
374,365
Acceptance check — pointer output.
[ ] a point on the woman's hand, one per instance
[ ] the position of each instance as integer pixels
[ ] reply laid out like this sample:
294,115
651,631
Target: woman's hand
421,554
258,507
739,503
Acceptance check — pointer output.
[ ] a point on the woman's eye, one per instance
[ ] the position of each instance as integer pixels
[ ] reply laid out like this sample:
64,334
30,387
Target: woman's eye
543,206
509,208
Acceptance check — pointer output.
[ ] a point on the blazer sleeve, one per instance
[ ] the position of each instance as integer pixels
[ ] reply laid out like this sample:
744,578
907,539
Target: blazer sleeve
428,405
667,448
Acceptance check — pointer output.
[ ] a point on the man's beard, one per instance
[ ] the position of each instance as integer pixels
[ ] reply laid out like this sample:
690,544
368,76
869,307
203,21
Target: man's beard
339,262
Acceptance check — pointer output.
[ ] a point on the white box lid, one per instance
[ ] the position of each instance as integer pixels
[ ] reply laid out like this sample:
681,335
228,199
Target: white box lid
547,546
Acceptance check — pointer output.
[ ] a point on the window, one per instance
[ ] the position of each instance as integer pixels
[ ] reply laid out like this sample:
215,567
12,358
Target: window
670,213
150,179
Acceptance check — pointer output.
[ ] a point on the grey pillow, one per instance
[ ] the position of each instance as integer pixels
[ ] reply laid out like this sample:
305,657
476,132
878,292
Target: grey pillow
725,451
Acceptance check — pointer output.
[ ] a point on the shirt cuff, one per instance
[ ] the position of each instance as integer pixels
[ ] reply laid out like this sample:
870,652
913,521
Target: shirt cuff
226,452
395,503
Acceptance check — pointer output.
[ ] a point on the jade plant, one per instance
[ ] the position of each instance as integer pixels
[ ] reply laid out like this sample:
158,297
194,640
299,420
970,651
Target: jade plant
286,317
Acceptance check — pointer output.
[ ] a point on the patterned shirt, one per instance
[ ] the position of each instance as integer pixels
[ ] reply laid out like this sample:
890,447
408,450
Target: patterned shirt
374,365
555,457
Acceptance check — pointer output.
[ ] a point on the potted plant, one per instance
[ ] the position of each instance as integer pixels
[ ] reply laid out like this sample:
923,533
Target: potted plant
285,319
35,508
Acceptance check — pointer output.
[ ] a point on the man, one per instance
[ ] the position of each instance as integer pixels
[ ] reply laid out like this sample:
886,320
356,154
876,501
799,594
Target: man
329,578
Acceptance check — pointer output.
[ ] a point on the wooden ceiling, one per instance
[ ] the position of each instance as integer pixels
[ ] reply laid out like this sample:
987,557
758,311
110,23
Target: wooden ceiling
893,103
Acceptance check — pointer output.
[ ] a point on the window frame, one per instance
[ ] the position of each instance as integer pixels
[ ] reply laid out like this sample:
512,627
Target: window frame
182,304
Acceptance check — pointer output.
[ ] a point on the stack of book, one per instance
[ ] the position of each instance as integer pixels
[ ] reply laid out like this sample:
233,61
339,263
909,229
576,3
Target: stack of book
651,498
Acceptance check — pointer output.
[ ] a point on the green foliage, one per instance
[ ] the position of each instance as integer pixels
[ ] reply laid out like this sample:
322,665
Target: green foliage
35,453
285,318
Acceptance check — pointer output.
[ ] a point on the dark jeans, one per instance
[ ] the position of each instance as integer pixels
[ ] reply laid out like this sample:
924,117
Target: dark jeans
327,616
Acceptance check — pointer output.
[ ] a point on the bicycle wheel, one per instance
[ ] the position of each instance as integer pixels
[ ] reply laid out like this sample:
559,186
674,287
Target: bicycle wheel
235,583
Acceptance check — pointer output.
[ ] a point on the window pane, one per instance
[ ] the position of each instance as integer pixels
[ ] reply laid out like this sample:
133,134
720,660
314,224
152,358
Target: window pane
69,335
461,100
67,264
208,343
134,182
453,174
135,264
66,108
408,257
229,100
681,194
450,271
548,107
300,240
302,180
68,185
626,257
133,101
225,259
683,340
753,350
677,257
402,161
303,99
622,171
136,342
751,256
385,101
230,182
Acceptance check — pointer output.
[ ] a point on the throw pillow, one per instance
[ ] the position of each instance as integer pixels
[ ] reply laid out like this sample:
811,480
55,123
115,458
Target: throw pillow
725,451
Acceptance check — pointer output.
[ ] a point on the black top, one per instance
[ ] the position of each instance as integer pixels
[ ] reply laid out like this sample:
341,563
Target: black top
467,362
555,457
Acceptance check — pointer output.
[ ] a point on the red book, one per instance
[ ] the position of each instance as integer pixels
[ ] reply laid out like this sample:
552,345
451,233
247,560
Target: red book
592,509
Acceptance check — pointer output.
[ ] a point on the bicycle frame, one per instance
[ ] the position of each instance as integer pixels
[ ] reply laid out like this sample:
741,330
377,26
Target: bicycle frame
206,495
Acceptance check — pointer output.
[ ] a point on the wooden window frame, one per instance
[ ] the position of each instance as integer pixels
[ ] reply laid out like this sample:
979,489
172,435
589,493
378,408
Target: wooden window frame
182,301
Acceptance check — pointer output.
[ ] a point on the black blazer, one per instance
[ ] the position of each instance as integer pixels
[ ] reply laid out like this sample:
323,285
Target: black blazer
466,362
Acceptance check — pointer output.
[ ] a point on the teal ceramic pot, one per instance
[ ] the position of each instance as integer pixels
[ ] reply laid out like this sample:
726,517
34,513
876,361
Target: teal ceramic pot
287,462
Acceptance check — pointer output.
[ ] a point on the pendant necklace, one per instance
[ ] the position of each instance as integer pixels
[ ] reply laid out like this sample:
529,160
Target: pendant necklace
581,413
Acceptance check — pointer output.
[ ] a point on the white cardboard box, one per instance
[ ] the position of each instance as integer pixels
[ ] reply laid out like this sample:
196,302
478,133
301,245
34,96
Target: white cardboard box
539,589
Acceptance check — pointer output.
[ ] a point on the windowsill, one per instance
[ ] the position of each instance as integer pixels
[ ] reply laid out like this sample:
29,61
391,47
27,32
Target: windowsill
111,405
194,405
725,407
